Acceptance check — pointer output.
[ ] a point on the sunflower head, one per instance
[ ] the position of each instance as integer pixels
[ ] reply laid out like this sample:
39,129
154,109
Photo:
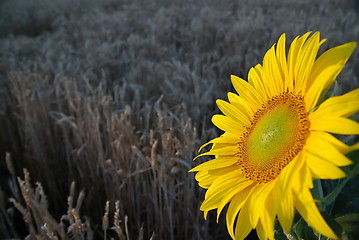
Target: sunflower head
277,139
276,135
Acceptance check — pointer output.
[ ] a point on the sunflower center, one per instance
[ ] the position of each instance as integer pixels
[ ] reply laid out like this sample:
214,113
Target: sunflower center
277,134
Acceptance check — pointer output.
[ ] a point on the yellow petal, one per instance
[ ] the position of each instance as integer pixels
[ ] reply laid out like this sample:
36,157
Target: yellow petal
338,125
271,70
295,54
206,178
335,56
205,214
306,178
234,207
247,91
228,124
340,146
286,212
282,60
304,203
226,150
309,52
242,226
313,94
324,150
216,163
267,81
231,137
219,188
231,193
322,169
255,79
267,218
226,138
341,106
286,180
233,112
257,201
287,177
240,103
224,180
260,232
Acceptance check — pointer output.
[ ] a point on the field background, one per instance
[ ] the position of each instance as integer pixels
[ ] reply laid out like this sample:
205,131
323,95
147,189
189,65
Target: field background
110,100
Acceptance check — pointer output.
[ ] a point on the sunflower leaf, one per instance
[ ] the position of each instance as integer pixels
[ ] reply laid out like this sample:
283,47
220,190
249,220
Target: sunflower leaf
324,95
330,198
354,156
303,231
349,223
352,171
281,235
333,224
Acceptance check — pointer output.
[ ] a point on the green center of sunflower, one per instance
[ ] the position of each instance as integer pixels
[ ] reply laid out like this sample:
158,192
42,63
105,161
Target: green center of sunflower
277,134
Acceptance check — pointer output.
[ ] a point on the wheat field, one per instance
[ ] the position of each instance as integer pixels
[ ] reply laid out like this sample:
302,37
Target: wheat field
105,103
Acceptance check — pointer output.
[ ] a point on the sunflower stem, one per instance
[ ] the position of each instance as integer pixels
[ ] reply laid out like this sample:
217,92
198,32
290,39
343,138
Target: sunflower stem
330,198
318,194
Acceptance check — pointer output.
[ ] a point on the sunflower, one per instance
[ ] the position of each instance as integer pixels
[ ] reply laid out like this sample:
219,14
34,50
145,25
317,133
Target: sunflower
277,139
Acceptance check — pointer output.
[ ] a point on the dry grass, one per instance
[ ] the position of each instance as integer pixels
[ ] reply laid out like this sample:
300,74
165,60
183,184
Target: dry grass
116,96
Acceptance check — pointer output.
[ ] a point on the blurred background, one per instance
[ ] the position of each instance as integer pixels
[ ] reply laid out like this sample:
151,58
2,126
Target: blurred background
105,103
